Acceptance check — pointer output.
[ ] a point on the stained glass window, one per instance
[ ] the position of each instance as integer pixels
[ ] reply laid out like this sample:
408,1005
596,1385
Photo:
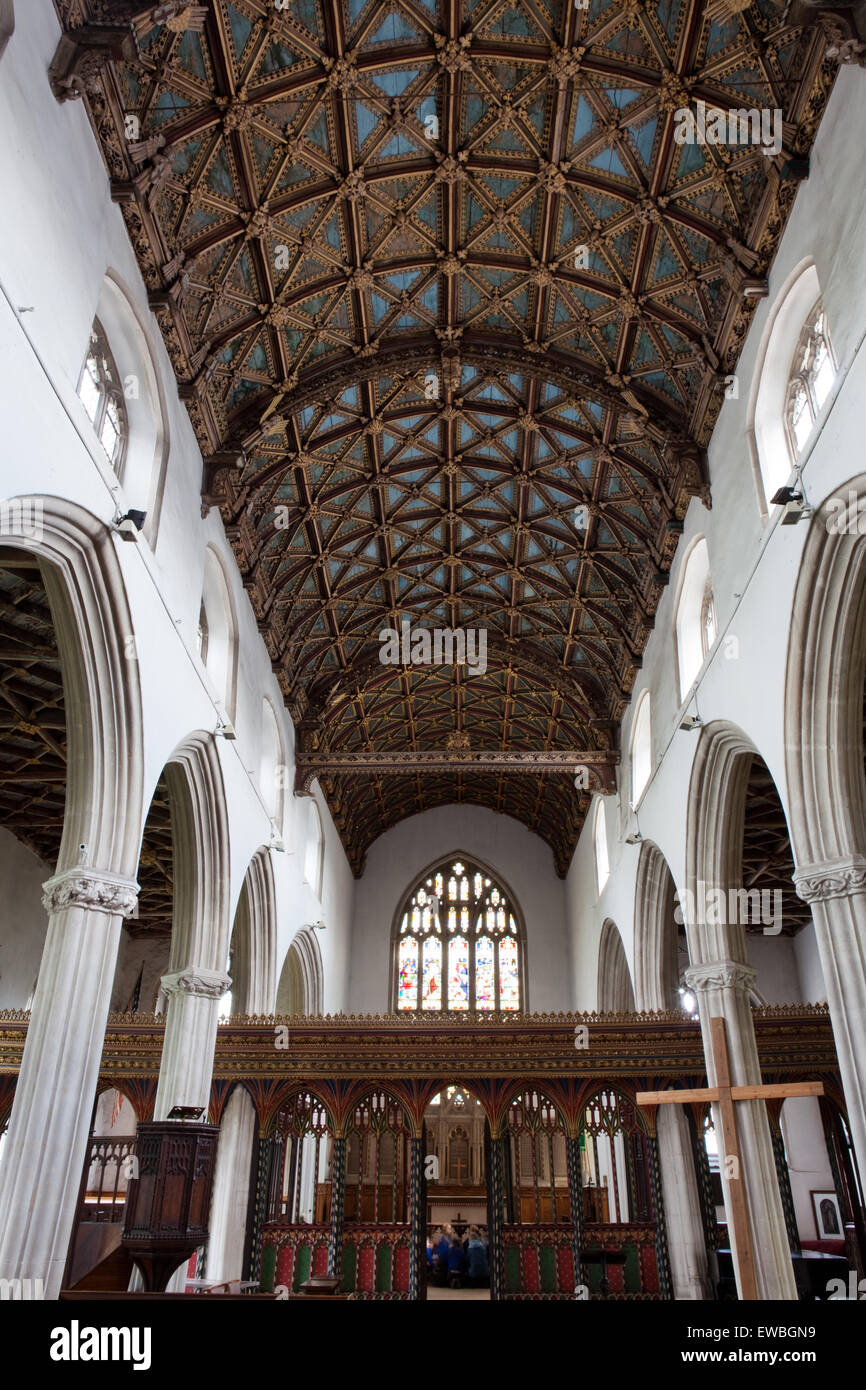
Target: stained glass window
509,981
431,974
484,974
407,985
459,947
458,973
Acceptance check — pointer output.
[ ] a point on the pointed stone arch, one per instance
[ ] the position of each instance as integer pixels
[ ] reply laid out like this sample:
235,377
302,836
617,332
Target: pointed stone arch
93,886
102,697
302,979
200,846
254,940
824,687
723,981
824,769
655,932
197,977
615,990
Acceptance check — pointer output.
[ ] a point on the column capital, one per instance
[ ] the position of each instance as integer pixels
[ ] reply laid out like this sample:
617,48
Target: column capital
720,974
92,888
836,878
205,984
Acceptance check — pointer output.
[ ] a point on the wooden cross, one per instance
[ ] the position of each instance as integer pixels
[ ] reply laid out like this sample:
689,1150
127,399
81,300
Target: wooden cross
458,1165
724,1094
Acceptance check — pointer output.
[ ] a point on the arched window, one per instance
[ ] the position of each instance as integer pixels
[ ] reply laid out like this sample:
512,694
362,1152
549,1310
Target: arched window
217,633
795,378
812,372
599,842
101,393
458,944
696,615
314,853
121,391
641,748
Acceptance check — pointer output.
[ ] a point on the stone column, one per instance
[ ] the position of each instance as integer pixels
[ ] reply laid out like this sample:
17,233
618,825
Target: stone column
191,1020
722,990
685,1225
836,893
50,1125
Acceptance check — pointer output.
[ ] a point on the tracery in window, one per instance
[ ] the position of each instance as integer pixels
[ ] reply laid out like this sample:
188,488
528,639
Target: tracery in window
101,393
708,618
812,372
459,945
201,635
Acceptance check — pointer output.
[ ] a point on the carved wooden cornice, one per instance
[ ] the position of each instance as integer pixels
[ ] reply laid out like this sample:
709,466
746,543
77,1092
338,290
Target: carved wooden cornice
793,1040
600,765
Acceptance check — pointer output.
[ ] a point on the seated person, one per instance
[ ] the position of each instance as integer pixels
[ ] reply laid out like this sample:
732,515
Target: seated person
478,1264
456,1264
441,1250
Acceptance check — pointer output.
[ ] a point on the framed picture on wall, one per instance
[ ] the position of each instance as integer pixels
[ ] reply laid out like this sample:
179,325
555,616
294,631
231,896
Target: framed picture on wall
828,1218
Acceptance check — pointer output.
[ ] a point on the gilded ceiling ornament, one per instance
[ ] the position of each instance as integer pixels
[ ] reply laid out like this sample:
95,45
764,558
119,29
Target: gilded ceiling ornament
354,186
553,176
673,92
237,116
453,55
457,742
341,72
259,223
543,276
361,279
565,62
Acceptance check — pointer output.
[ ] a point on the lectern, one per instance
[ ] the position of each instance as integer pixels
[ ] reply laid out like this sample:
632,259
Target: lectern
168,1201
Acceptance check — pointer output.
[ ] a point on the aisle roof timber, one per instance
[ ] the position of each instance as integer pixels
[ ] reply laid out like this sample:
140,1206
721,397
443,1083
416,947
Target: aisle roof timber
434,275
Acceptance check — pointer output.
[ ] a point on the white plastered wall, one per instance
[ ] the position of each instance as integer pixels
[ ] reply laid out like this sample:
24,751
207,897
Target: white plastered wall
522,859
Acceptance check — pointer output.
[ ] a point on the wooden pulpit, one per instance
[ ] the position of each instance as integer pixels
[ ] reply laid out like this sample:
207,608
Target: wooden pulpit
168,1201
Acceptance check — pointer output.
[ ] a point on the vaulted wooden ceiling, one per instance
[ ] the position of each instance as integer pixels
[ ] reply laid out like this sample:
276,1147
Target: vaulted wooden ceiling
435,276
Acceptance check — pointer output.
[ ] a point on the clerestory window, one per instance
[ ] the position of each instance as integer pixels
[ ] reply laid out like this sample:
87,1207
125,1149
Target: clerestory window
101,393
